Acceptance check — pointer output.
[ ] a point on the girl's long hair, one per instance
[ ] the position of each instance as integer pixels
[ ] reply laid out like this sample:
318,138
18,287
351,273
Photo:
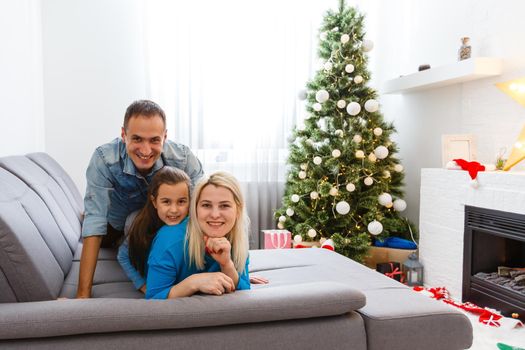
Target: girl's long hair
238,236
147,222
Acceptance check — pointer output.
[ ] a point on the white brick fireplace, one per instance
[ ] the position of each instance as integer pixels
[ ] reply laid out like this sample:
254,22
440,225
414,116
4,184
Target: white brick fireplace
444,194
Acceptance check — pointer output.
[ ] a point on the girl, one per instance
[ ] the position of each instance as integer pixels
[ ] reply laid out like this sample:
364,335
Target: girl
167,204
212,256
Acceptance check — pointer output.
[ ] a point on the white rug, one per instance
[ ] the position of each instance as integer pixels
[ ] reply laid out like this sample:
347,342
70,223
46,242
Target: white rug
486,337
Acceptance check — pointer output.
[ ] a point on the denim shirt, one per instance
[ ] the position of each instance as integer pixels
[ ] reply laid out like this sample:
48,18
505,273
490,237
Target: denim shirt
115,188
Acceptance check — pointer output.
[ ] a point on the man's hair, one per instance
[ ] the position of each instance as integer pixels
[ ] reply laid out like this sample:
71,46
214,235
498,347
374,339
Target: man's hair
145,108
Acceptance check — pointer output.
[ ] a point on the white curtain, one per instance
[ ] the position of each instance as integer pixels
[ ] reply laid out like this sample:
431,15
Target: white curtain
227,74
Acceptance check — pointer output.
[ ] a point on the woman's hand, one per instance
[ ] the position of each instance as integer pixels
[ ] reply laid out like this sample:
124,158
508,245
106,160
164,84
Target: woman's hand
258,280
219,248
216,283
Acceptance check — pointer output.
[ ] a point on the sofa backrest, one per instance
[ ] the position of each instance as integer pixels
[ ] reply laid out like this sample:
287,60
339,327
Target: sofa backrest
39,230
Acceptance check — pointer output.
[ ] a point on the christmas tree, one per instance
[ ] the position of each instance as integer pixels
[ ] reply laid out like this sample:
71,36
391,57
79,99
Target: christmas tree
344,182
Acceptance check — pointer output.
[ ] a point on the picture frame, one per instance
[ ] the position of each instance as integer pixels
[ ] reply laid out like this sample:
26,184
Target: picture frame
458,146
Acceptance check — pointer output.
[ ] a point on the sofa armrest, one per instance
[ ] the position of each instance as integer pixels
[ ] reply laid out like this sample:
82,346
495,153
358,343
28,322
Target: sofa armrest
262,304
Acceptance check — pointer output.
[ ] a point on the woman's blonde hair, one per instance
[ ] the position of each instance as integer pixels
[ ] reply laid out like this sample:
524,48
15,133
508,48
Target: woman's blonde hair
238,236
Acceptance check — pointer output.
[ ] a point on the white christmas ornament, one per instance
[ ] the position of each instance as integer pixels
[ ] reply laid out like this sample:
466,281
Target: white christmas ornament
378,131
282,218
297,238
312,233
295,198
290,212
350,187
304,166
372,157
345,38
349,68
386,174
381,152
339,133
357,138
333,191
317,160
323,36
322,96
368,181
367,45
384,198
314,195
375,227
353,108
371,106
400,205
358,79
336,153
280,225
335,29
341,103
302,94
302,174
342,208
398,168
317,107
328,66
359,154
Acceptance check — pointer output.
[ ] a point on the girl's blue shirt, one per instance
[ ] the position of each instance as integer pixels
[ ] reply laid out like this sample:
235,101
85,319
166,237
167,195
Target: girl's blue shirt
168,262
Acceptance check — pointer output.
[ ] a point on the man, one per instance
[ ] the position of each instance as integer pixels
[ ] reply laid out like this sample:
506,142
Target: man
117,180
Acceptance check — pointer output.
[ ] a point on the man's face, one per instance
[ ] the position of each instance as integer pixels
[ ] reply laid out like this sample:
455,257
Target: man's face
144,139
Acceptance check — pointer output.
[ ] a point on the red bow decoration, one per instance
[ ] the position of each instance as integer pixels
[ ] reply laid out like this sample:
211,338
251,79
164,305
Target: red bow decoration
395,272
471,167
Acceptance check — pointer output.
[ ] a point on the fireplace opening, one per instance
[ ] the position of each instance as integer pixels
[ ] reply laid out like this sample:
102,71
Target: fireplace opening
494,260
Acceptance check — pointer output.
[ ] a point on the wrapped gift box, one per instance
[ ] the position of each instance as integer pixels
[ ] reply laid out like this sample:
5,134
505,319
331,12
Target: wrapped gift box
277,239
392,270
378,255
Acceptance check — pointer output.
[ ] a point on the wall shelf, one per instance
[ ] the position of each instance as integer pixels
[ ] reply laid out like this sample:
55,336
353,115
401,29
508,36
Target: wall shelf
454,73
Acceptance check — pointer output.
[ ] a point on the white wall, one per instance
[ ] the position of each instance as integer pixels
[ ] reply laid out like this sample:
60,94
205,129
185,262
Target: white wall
21,92
94,67
408,33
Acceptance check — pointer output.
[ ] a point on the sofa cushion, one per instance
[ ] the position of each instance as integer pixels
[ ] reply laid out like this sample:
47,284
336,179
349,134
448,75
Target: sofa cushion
50,192
82,316
50,166
34,255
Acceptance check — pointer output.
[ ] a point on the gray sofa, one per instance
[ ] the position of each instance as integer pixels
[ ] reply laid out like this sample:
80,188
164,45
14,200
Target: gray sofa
315,299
